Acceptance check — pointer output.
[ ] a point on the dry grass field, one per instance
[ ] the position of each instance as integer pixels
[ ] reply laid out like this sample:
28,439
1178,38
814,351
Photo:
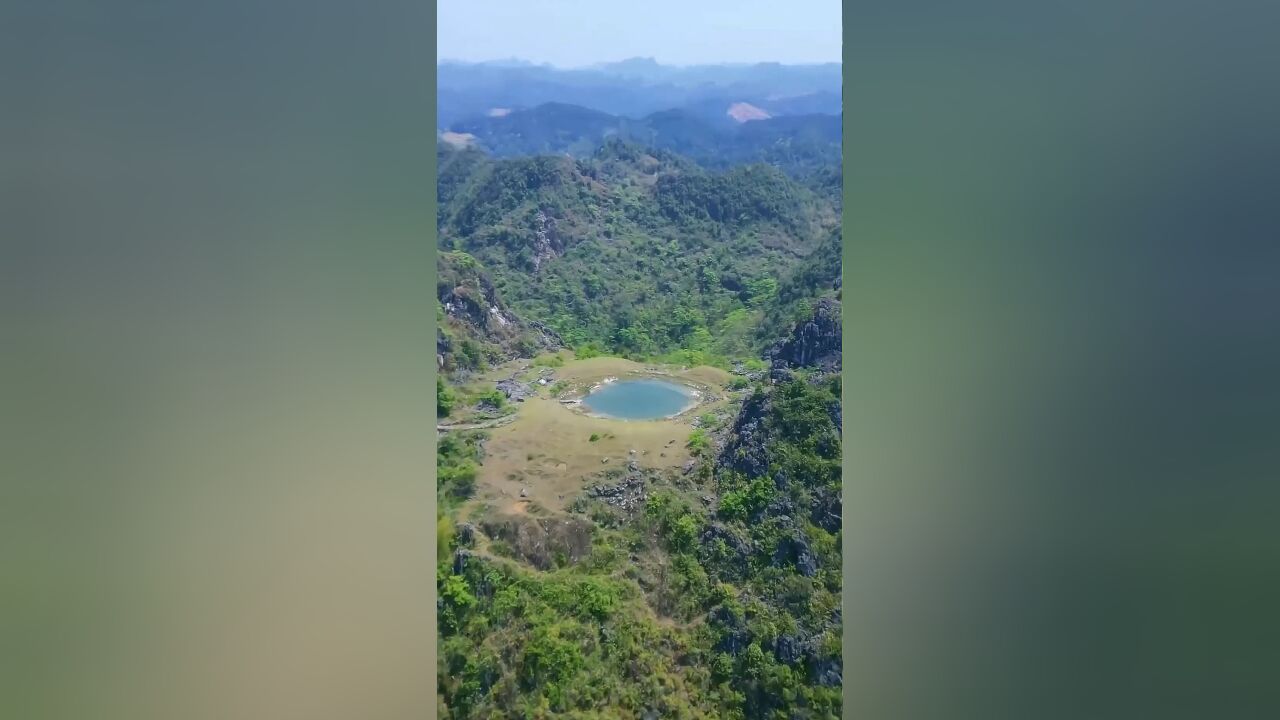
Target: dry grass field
547,451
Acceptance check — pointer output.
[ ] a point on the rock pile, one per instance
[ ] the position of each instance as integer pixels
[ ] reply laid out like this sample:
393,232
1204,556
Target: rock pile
514,389
626,495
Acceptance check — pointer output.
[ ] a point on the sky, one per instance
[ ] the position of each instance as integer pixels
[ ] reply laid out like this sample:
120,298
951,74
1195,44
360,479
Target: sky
577,33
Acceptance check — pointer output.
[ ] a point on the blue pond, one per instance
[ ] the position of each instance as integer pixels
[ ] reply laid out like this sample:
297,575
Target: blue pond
638,399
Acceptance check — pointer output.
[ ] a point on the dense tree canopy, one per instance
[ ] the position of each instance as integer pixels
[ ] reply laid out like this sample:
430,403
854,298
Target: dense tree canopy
633,252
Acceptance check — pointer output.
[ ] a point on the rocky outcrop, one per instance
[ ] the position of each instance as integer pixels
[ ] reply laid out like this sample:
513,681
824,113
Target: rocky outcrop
745,450
475,321
461,559
789,649
814,343
734,635
795,551
625,495
546,240
472,299
443,347
828,672
515,390
726,549
549,337
466,534
826,508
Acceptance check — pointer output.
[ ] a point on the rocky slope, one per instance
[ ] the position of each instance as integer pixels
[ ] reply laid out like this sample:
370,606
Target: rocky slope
476,327
813,342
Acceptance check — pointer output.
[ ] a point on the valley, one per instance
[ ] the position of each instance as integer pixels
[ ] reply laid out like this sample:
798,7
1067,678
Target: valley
674,549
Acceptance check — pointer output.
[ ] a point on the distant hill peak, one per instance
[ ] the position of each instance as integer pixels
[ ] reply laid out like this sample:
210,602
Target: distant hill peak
632,63
744,112
563,107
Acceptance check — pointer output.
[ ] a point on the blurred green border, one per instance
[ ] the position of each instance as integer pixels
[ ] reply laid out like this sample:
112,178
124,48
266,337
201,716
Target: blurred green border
433,237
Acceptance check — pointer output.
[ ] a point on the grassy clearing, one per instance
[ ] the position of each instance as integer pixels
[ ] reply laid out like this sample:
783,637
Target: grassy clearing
549,451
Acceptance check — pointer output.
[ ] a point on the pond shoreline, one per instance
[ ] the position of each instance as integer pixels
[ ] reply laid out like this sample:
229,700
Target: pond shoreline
698,394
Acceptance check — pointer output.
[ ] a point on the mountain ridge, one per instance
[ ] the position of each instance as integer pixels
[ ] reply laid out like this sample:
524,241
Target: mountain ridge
797,143
633,89
631,249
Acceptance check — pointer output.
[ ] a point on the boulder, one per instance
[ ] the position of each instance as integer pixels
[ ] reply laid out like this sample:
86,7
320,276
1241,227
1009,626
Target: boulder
515,390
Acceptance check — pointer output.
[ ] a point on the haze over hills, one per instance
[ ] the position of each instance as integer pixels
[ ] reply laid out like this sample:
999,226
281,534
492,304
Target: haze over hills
634,88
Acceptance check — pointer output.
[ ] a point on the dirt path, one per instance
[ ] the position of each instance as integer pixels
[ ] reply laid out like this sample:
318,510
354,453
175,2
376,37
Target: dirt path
496,422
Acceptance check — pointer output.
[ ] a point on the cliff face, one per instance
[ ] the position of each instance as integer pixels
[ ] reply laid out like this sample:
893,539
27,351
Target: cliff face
745,451
814,343
547,243
476,326
472,300
443,348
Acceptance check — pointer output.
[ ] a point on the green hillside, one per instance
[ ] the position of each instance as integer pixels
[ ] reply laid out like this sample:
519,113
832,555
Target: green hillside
632,251
800,145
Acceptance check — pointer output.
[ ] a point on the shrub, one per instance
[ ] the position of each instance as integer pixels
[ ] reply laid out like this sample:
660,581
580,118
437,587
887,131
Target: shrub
458,480
698,441
549,659
597,599
683,533
445,398
745,502
493,397
455,600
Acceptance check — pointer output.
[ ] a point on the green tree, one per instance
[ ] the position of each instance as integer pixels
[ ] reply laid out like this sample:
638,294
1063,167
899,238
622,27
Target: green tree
445,399
684,531
761,291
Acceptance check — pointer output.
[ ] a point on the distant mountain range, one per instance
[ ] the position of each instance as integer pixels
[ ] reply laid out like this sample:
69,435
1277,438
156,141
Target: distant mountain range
709,134
634,88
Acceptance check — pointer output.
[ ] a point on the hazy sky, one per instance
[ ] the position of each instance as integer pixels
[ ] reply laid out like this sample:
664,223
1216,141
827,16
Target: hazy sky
572,33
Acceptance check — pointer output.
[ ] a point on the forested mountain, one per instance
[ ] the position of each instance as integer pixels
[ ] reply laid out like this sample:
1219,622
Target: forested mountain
797,144
815,278
633,251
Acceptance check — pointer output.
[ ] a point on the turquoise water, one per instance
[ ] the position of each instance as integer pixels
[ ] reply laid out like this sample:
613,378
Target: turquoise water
638,399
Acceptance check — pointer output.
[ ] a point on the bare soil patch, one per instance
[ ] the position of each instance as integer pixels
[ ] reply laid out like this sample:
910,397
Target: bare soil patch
743,112
458,139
